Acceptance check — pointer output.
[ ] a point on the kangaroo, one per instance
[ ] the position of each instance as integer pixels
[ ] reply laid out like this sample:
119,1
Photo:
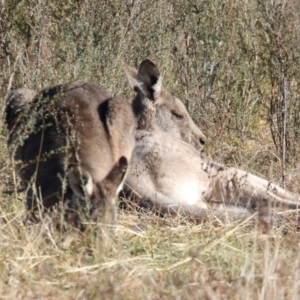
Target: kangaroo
71,143
167,169
155,108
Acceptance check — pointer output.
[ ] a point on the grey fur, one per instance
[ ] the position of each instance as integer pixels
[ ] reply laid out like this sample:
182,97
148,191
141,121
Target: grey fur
168,170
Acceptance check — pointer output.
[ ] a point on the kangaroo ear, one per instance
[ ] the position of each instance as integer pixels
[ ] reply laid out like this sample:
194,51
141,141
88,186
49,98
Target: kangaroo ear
131,74
81,182
150,79
112,183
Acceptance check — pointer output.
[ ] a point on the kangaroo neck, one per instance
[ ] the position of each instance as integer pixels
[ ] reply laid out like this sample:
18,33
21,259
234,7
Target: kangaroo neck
144,112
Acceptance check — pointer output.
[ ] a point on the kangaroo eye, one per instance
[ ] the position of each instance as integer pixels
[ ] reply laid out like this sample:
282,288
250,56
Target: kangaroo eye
177,116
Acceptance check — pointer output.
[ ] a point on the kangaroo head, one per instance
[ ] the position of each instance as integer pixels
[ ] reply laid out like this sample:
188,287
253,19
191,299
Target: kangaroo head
102,194
157,109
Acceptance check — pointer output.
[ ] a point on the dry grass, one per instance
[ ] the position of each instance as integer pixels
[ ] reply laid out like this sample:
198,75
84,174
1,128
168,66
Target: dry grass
228,62
148,257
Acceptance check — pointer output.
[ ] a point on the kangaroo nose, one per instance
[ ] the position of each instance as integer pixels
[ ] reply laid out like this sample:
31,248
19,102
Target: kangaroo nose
202,141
